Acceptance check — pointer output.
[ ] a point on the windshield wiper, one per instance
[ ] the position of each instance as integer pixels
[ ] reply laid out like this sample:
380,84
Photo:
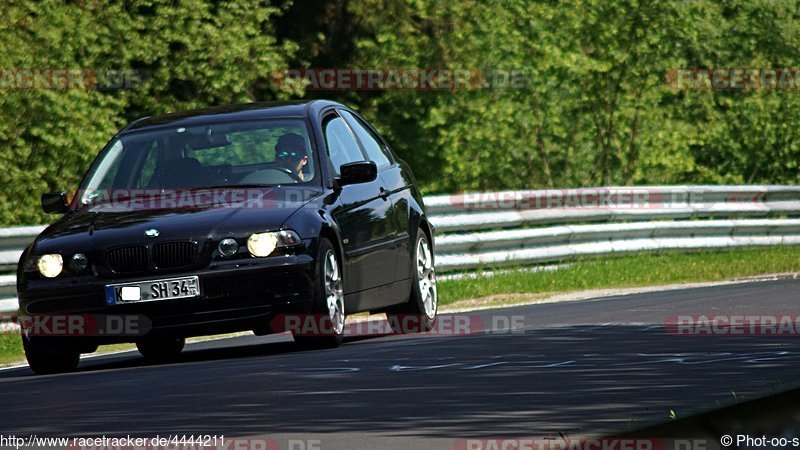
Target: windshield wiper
233,186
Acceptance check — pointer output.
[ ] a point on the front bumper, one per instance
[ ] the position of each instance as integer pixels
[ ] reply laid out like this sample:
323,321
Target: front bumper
234,296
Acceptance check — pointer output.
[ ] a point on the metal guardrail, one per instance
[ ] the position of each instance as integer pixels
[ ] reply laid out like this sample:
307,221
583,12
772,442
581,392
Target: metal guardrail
534,226
13,241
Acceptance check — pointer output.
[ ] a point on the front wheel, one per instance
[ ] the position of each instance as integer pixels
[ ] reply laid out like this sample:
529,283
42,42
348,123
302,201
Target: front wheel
419,314
328,302
44,362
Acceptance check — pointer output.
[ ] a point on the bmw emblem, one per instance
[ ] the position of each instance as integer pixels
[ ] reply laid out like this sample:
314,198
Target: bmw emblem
152,232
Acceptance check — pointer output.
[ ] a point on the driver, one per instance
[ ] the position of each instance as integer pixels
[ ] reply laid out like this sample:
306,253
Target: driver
290,153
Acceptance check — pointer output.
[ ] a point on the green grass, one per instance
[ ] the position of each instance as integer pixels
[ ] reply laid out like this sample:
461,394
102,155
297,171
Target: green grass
10,349
628,271
611,272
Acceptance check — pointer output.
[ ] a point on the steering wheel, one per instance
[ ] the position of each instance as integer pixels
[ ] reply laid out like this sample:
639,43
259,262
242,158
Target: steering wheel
289,172
261,176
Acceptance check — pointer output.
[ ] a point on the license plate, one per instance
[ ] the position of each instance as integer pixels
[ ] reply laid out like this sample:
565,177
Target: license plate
151,290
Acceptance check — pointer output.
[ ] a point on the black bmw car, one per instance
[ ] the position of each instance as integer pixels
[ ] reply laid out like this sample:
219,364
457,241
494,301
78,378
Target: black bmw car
222,219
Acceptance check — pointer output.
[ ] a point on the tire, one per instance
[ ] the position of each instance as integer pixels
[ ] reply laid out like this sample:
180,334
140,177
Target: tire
420,312
160,348
328,301
44,362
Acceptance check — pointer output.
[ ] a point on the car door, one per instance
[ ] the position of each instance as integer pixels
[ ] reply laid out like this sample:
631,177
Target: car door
396,185
364,215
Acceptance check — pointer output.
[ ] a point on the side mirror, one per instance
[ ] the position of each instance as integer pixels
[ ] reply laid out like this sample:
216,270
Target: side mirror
358,172
54,202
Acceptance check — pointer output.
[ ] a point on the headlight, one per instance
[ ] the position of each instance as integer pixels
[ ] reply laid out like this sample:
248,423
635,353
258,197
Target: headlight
50,265
263,244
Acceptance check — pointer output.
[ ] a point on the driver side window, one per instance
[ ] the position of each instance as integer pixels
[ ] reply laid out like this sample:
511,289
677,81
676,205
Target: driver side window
340,143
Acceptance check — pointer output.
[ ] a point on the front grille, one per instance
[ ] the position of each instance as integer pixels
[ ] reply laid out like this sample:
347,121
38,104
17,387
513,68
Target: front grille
168,255
127,259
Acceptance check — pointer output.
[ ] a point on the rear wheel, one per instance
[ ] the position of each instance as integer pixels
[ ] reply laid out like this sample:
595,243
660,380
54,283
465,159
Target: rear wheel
160,348
44,362
328,302
419,314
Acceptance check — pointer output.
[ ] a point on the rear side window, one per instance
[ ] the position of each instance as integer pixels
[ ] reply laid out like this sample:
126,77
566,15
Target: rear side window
371,142
342,146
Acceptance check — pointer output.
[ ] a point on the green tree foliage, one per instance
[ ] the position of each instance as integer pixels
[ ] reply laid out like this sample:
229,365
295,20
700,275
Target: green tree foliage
190,54
596,109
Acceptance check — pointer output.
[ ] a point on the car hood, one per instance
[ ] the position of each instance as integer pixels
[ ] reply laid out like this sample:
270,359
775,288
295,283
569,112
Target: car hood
97,228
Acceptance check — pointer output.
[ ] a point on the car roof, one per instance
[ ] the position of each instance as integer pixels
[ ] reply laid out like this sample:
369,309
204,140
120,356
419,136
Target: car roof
244,111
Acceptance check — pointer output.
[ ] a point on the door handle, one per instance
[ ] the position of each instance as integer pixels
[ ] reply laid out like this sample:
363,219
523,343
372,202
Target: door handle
384,193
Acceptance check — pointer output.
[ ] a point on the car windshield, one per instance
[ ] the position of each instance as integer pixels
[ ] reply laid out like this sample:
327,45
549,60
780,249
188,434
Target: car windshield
241,154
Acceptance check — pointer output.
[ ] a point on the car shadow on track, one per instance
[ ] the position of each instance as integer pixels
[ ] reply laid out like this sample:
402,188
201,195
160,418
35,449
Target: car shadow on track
214,350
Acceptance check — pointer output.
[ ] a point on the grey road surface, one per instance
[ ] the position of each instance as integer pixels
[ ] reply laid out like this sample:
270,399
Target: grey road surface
577,368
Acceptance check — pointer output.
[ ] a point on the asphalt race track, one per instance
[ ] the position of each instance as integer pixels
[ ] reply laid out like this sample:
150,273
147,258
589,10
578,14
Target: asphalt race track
577,368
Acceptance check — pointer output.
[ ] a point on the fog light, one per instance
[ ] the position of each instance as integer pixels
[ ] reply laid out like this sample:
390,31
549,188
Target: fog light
262,244
50,265
228,247
78,263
